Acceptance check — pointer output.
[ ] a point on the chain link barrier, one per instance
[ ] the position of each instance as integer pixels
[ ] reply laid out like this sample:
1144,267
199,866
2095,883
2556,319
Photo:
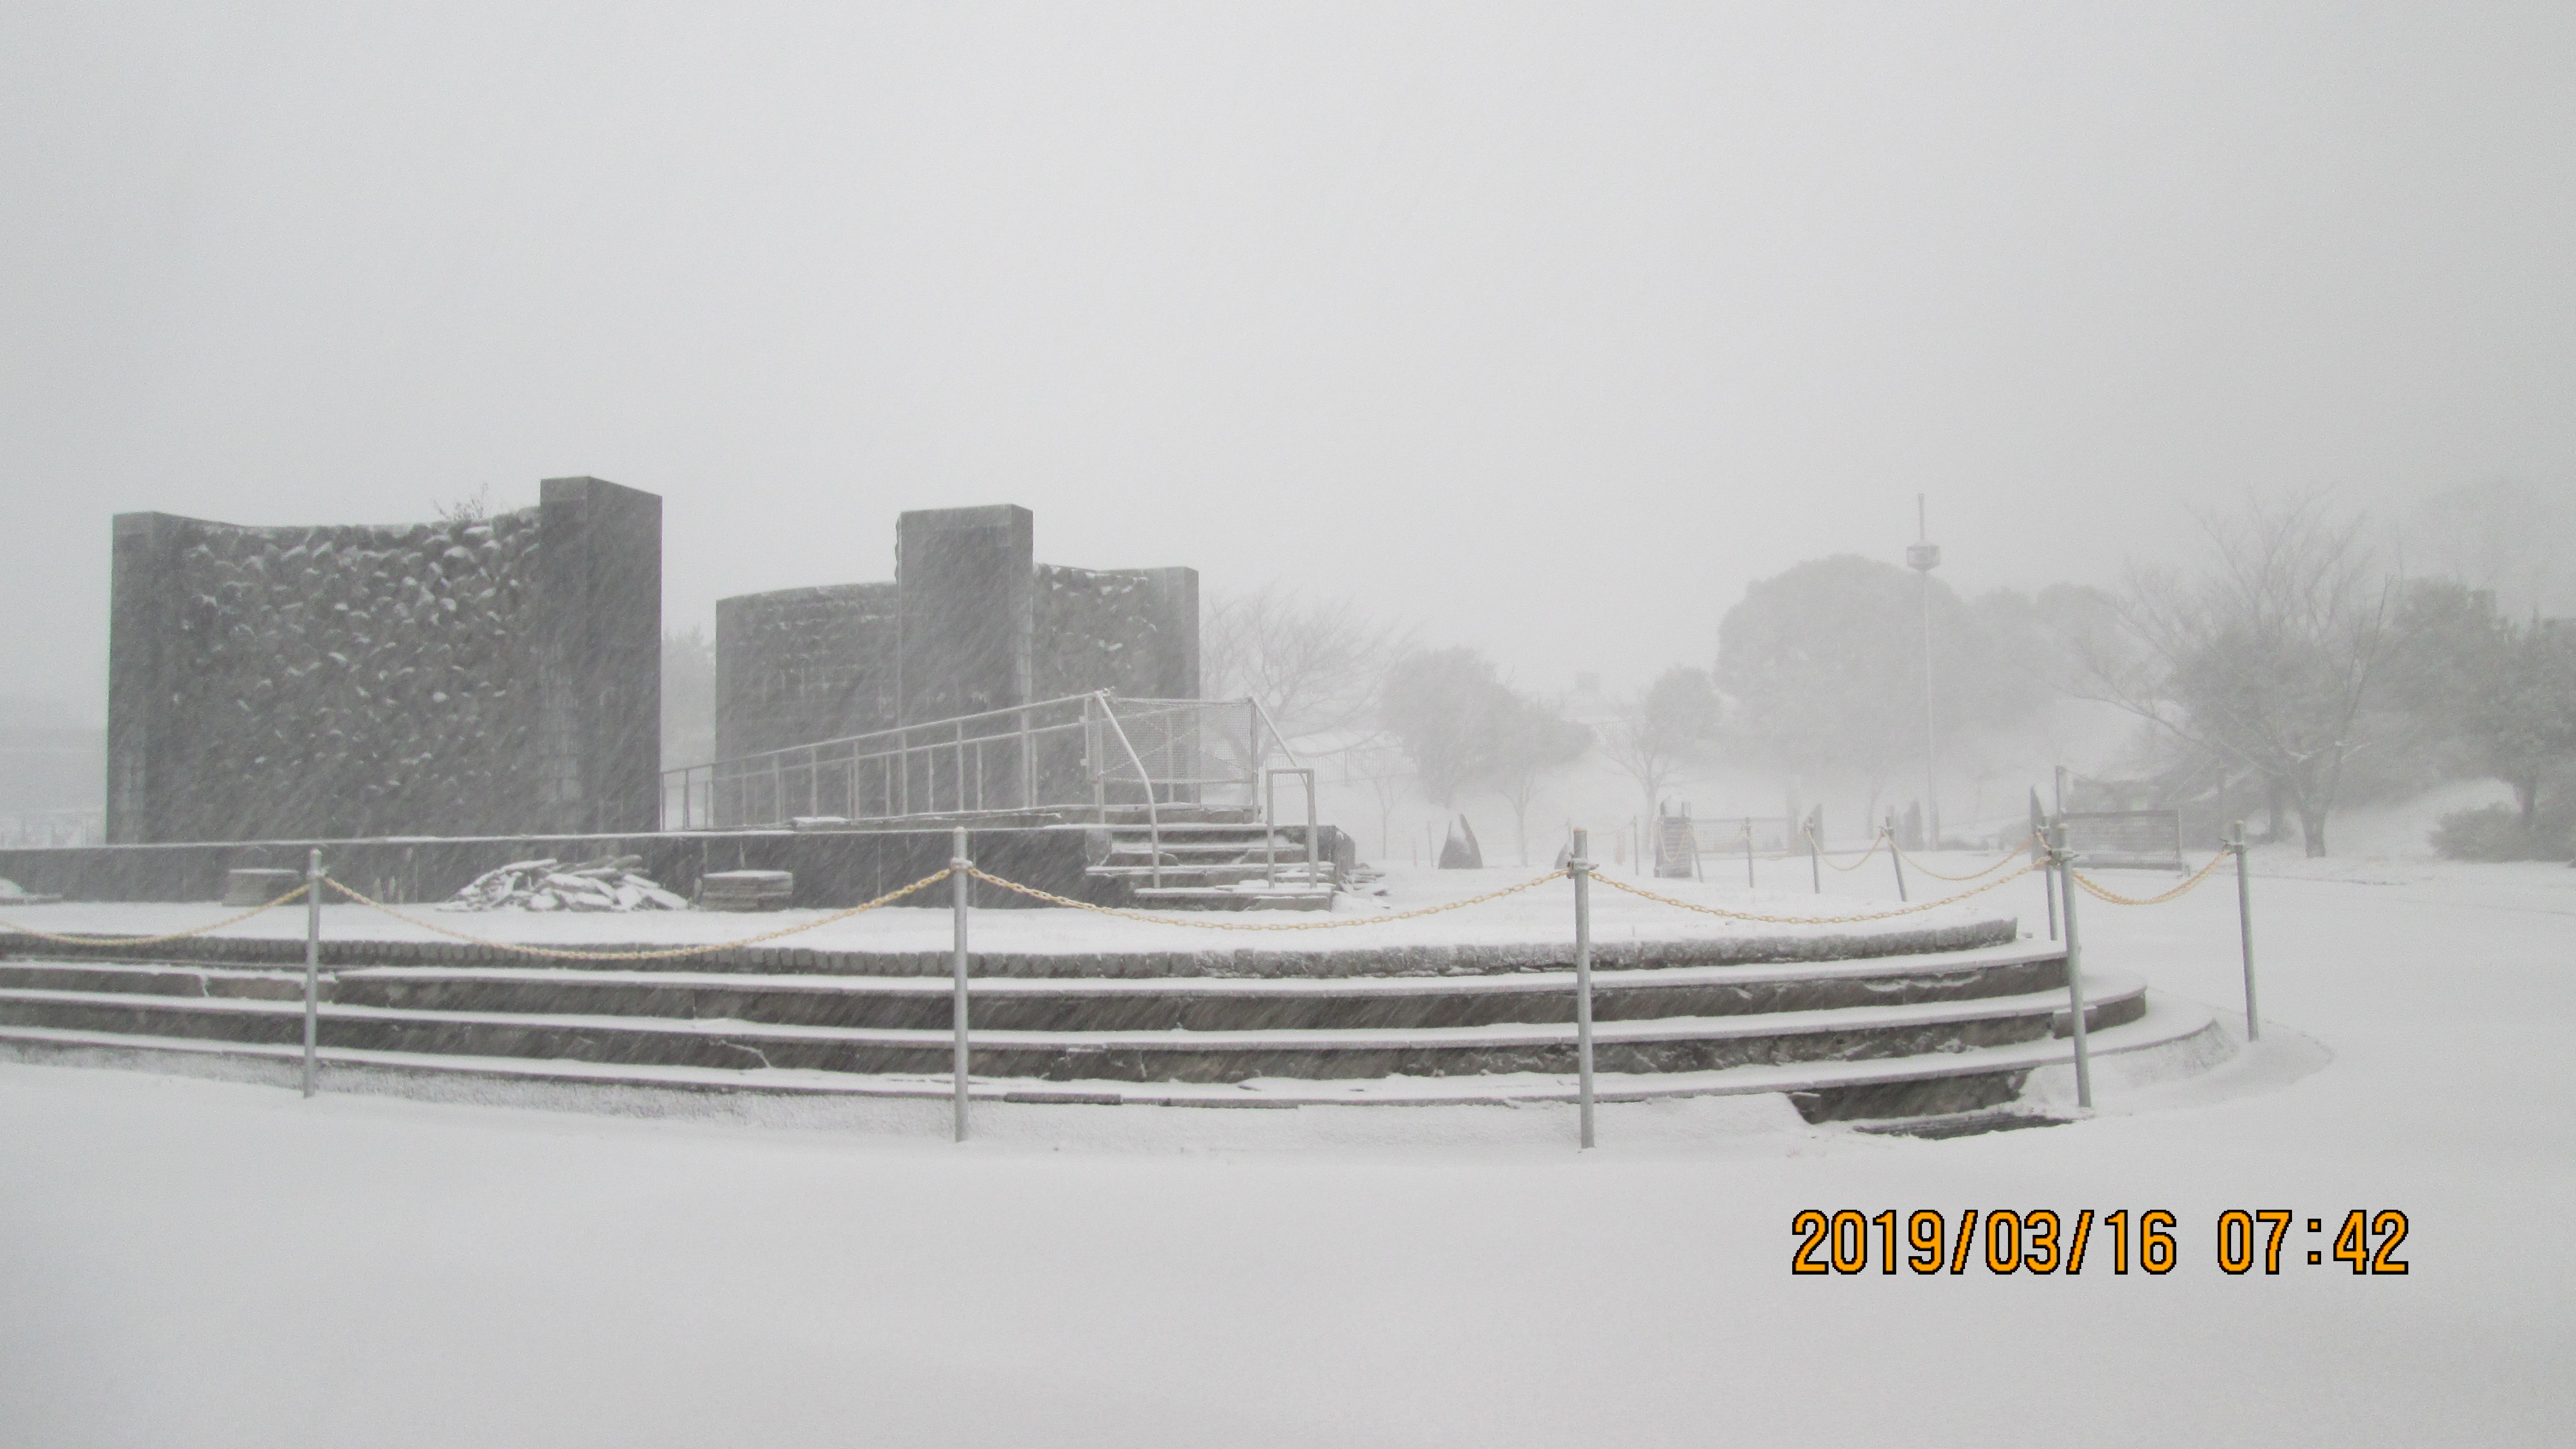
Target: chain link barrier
1616,884
1999,862
1805,836
2099,892
15,929
1052,898
671,954
2090,887
1875,841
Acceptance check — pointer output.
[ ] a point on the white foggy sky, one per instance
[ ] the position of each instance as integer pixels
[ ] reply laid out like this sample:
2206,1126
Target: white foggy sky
1548,327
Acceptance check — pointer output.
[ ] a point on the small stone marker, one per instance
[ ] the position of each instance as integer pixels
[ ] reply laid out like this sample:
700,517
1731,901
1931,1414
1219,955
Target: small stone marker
1460,851
746,890
258,886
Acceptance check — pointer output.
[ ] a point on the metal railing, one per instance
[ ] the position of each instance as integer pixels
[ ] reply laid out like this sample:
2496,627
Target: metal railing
77,826
2136,839
1088,754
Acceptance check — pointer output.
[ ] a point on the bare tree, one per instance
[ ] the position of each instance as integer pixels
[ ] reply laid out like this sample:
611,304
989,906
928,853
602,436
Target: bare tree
476,507
1315,664
1664,730
1446,708
2264,657
1381,766
1534,740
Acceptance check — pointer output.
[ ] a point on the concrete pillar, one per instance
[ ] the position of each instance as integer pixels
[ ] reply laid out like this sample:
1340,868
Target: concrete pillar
144,739
599,607
965,577
1174,603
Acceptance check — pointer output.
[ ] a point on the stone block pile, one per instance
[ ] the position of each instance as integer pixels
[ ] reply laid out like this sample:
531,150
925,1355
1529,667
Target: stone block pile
607,884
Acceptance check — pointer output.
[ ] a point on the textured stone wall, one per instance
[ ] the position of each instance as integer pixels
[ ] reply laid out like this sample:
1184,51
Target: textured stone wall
1134,632
441,678
972,623
963,577
801,665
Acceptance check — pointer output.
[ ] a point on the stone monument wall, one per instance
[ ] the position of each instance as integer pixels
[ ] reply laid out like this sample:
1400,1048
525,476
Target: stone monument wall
971,623
483,677
964,577
801,665
1134,632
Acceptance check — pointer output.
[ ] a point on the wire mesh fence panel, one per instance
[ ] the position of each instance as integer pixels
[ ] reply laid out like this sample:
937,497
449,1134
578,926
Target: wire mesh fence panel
2132,839
1718,834
1083,752
1192,751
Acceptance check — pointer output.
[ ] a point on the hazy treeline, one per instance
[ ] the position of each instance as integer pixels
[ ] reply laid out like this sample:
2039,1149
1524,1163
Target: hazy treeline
2302,659
2291,666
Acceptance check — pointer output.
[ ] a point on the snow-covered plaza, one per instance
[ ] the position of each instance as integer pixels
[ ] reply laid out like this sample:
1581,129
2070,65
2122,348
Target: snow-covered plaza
215,1263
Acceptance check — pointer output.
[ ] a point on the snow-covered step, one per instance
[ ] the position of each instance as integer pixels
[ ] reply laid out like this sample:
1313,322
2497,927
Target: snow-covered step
1247,897
1285,871
1147,1002
1939,1082
152,978
1146,951
1656,1044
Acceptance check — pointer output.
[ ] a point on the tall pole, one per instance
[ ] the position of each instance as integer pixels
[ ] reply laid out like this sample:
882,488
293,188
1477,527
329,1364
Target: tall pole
312,960
2039,856
2074,967
1923,558
1895,857
1580,867
960,881
2245,928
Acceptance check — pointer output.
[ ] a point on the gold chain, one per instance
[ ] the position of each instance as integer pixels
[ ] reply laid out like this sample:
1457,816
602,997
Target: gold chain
1052,898
155,940
1615,884
1875,842
887,899
2000,862
2095,890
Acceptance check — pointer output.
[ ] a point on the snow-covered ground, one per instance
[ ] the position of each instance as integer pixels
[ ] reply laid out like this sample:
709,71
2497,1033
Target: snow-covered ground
1541,913
189,1262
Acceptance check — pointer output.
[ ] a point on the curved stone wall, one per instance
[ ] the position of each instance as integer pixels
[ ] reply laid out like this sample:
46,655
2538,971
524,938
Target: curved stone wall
417,679
972,623
364,680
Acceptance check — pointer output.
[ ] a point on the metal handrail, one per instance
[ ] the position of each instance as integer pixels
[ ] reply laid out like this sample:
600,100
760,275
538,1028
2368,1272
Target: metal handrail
953,720
1280,739
879,775
1270,825
1153,818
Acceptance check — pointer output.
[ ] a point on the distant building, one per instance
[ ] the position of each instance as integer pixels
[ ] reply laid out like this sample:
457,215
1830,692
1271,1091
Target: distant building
52,774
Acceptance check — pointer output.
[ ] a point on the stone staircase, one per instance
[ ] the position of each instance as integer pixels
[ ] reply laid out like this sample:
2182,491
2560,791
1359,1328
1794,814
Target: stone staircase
1211,864
1912,1033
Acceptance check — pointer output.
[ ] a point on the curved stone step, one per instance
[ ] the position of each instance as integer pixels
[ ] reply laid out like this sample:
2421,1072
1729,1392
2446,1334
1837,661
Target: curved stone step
1347,956
2166,1025
1104,1004
1660,1044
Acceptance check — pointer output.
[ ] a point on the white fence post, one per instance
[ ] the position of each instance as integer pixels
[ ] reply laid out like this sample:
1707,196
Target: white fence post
2245,929
1895,857
1580,867
958,863
312,960
2074,967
